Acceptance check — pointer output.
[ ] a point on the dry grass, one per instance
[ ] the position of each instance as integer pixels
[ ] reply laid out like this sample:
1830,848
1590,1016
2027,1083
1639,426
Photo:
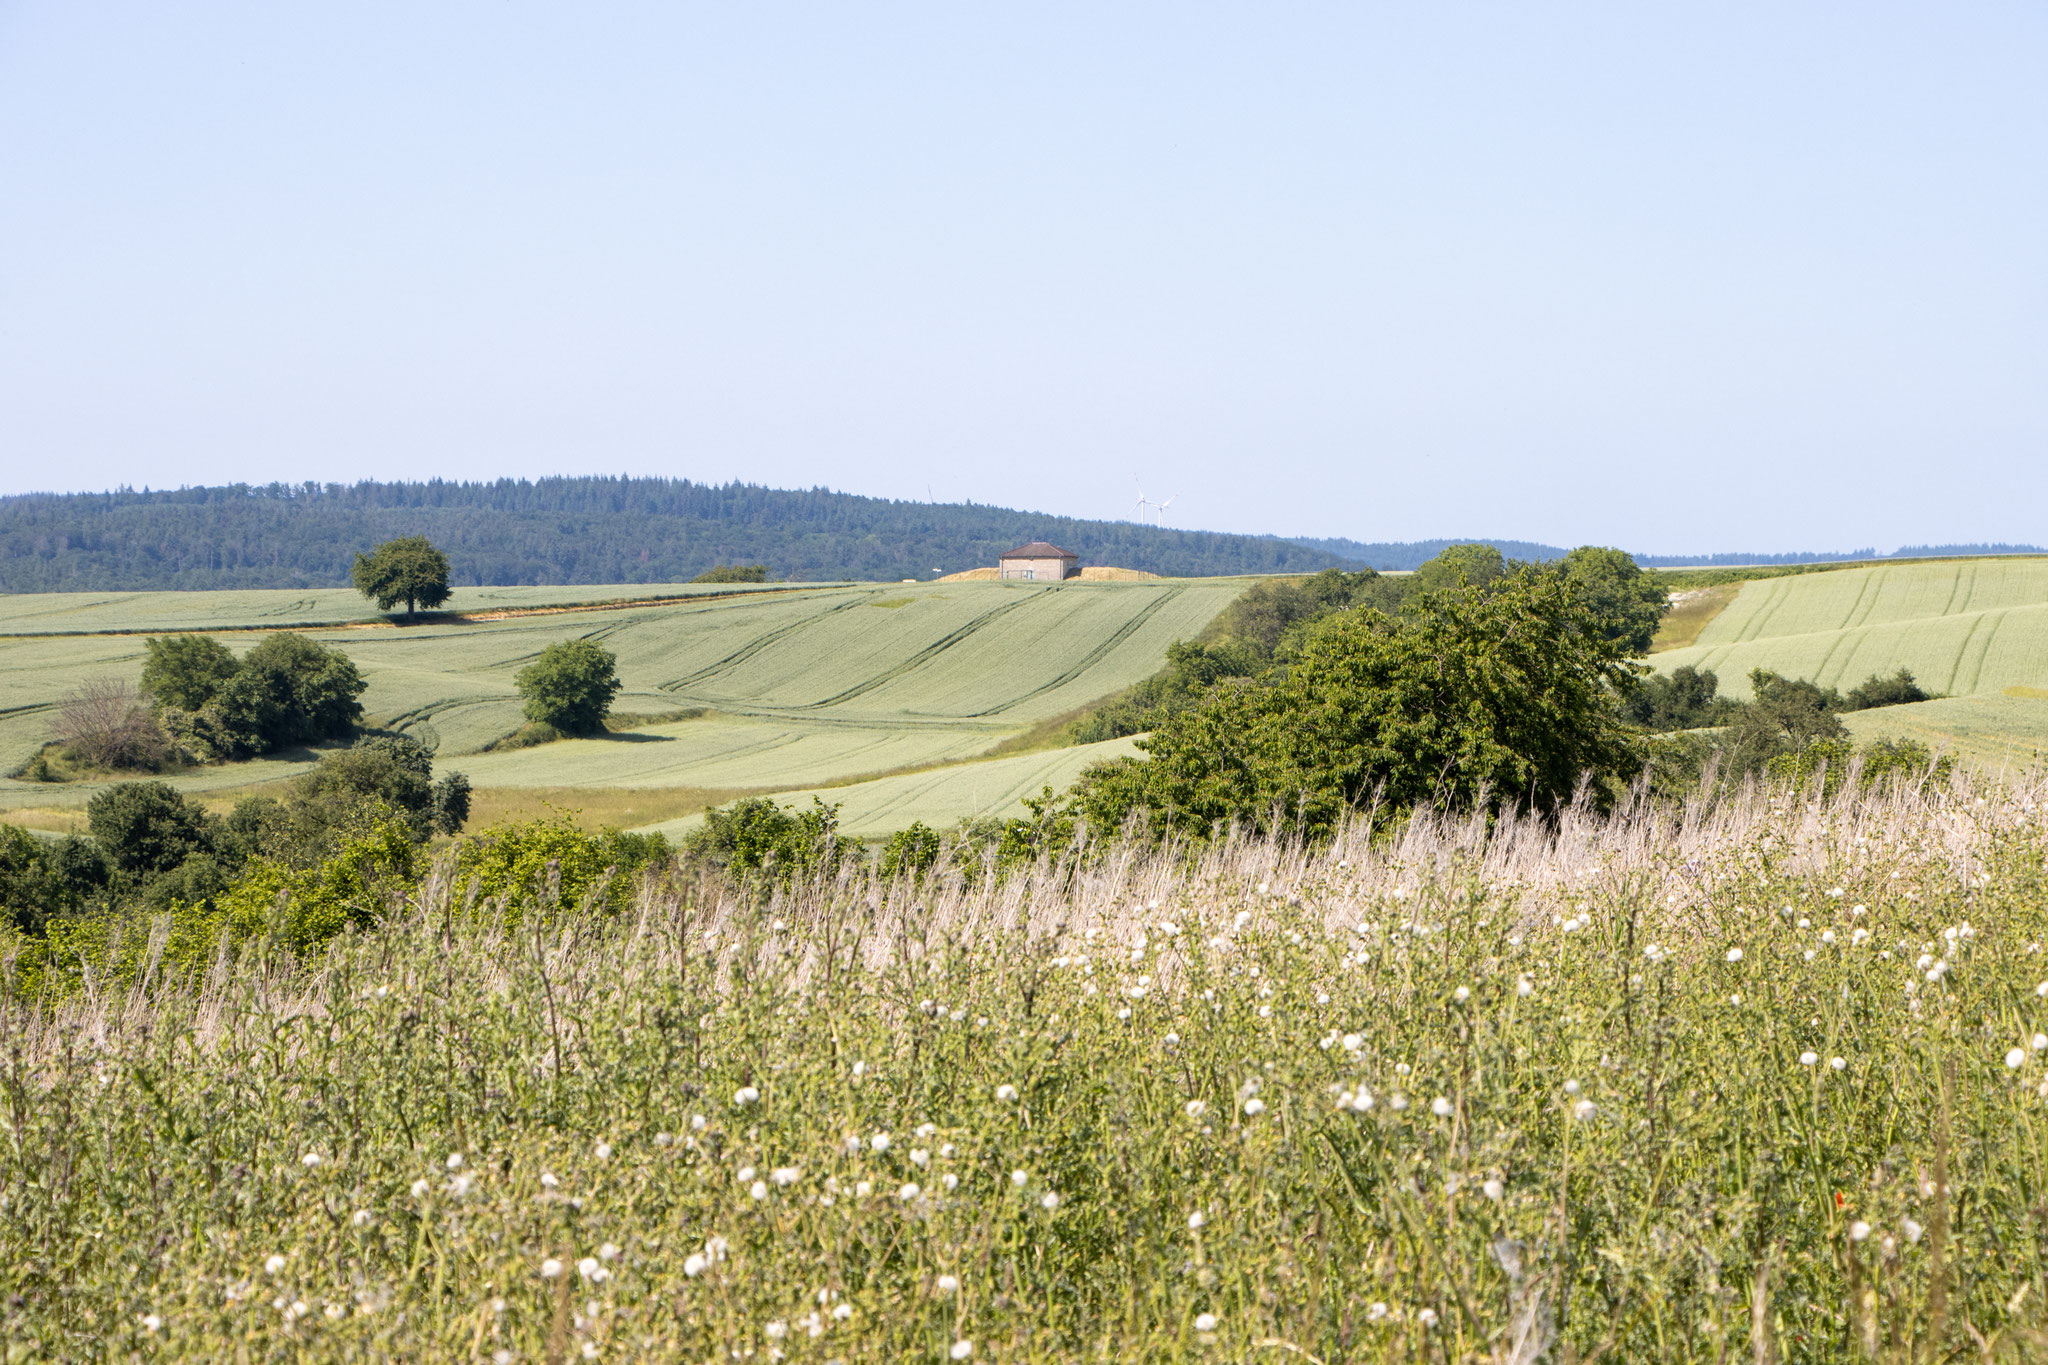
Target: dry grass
1691,610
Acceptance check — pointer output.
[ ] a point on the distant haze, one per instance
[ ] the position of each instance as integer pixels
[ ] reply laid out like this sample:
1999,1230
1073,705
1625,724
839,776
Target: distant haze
1740,277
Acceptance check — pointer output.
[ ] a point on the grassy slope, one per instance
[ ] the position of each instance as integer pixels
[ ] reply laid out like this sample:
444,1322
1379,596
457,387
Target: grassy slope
802,688
1974,629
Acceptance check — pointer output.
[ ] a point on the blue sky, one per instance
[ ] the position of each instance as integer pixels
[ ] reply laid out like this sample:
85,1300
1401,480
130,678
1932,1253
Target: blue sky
1677,277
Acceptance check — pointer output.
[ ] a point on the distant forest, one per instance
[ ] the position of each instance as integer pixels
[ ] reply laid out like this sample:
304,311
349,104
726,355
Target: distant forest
562,530
1413,554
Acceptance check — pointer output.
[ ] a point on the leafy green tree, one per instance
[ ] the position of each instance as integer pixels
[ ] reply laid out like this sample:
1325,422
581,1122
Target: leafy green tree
734,573
408,569
1471,695
1628,602
148,828
1461,566
297,691
1784,716
570,686
31,891
185,671
553,862
1687,698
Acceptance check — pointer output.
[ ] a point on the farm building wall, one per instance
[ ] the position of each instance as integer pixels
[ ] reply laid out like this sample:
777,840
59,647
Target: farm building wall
1040,570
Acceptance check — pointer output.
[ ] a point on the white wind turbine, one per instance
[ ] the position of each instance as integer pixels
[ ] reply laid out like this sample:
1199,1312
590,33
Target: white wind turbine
1141,504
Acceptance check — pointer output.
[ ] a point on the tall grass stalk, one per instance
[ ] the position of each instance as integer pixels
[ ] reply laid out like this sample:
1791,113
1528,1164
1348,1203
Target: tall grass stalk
1762,1078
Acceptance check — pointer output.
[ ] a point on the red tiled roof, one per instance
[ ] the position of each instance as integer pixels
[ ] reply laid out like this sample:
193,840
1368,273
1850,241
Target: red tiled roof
1038,549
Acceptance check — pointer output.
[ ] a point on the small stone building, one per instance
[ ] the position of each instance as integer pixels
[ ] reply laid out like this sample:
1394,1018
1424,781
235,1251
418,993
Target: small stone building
1038,562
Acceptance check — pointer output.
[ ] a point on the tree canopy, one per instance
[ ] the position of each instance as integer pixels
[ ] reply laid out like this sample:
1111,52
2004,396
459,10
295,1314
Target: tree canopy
408,569
570,686
1497,694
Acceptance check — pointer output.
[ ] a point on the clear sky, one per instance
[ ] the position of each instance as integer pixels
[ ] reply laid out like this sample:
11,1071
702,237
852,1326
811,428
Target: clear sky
1680,277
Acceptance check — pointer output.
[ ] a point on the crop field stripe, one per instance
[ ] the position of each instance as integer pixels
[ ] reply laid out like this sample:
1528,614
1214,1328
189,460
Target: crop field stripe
923,656
1093,656
1983,640
759,643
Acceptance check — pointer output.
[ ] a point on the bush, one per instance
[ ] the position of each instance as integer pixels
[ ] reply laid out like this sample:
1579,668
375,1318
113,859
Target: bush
554,860
911,852
147,828
104,724
1898,690
570,686
755,834
313,691
1685,699
31,892
734,573
1501,694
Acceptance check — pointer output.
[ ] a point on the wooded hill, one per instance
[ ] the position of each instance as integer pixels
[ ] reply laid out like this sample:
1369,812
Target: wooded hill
561,530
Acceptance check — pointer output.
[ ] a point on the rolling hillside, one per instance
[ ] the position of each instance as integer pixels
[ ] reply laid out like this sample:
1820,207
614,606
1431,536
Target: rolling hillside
792,688
1976,630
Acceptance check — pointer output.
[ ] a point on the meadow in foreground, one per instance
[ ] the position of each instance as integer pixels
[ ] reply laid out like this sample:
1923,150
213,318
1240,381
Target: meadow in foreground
1761,1081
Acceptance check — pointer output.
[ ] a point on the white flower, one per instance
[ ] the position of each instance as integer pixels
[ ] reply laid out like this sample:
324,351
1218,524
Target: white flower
550,1268
1254,1107
1194,1109
1195,1221
1838,1063
758,1190
694,1265
1353,1042
608,1252
1584,1109
461,1185
1808,1058
2041,1042
2016,1058
919,1157
1462,994
775,1331
273,1265
961,1350
842,1311
1493,1189
1006,1092
1571,1087
151,1322
420,1188
603,1151
949,1182
1205,1322
360,1218
1858,1230
948,1284
1374,1311
1911,1229
909,1192
786,1175
1048,1201
1441,1107
1735,954
310,1159
1427,1317
455,1161
548,1180
1020,1178
590,1269
1524,988
879,1142
745,1096
1397,1101
862,1189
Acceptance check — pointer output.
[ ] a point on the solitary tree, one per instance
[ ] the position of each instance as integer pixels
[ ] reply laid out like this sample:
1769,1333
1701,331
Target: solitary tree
570,686
408,570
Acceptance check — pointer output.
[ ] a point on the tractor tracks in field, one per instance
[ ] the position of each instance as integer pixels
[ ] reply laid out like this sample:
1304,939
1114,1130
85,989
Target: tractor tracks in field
1091,658
921,658
761,642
